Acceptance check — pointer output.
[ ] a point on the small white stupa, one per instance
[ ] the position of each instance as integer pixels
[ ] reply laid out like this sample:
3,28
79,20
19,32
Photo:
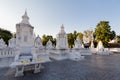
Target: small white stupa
92,44
38,43
61,39
78,43
100,45
12,43
82,45
92,47
38,48
101,50
49,45
2,44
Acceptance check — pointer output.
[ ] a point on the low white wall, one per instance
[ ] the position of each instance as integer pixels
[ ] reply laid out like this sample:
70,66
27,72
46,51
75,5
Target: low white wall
7,56
8,53
5,62
94,50
114,49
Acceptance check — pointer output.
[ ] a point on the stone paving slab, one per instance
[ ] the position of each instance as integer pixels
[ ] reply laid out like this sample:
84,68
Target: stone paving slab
95,67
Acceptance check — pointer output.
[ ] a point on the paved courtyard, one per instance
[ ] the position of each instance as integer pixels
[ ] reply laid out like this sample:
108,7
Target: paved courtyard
93,67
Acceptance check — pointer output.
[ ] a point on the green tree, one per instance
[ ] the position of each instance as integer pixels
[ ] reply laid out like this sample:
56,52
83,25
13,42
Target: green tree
103,32
118,38
54,41
74,35
44,39
70,40
5,35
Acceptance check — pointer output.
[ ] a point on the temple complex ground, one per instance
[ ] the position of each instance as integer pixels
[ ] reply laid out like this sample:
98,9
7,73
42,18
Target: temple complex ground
94,67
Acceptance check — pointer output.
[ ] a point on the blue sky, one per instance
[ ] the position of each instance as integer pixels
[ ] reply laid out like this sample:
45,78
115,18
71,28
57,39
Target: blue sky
48,15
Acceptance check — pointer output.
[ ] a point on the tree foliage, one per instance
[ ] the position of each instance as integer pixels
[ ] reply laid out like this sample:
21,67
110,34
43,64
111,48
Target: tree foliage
118,38
70,40
103,32
5,35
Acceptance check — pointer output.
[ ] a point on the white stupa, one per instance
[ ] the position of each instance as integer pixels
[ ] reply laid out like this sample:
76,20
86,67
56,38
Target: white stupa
92,47
30,48
49,45
62,51
100,45
92,44
12,43
78,43
38,43
24,35
61,39
38,47
101,50
2,44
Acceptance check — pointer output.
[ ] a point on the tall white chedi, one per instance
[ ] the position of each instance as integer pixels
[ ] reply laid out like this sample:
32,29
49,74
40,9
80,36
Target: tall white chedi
24,34
61,39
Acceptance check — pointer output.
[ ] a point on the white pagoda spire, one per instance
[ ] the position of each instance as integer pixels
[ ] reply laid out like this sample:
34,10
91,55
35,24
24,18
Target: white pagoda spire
62,29
25,18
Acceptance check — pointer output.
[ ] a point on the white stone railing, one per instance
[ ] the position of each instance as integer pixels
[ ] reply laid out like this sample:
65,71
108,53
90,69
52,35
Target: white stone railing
8,53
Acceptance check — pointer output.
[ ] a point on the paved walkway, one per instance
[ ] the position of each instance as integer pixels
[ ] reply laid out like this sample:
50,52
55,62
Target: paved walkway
93,67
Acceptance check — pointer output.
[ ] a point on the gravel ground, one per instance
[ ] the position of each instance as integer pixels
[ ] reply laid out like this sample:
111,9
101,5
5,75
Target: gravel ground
95,67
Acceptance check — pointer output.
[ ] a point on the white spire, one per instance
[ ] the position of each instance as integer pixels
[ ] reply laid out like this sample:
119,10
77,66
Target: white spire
62,29
25,18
